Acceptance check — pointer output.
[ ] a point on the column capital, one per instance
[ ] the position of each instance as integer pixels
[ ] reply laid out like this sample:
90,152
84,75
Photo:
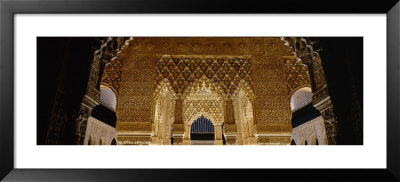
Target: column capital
178,128
134,127
230,129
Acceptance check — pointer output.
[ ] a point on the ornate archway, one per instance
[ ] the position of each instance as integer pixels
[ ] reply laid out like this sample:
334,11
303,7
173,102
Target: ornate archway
144,62
204,98
116,56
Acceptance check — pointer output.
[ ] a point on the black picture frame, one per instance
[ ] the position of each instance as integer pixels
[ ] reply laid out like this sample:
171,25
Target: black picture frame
9,8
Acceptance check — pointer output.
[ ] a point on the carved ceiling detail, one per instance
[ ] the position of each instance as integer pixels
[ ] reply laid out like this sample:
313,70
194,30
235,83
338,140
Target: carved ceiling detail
226,71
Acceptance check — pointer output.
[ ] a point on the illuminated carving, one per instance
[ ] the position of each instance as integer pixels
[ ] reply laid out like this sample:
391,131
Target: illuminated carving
164,84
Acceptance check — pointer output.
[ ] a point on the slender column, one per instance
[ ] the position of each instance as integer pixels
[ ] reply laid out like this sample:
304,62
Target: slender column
155,141
321,98
322,102
80,124
252,138
154,138
218,134
178,128
163,134
230,128
186,138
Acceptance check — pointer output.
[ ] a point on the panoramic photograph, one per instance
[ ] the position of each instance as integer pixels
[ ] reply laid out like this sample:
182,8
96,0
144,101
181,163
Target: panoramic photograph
199,91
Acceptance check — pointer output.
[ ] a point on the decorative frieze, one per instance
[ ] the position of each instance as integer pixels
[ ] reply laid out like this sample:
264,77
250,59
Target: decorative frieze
134,127
273,140
133,140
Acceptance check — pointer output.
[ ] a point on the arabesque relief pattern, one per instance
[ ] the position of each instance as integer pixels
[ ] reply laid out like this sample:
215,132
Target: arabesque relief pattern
271,107
135,107
140,66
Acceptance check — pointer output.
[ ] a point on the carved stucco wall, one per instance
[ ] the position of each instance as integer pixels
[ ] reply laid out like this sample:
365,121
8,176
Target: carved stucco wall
135,106
224,61
133,62
271,107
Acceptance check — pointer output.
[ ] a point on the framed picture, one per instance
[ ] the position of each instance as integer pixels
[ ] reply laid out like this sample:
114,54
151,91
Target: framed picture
244,74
